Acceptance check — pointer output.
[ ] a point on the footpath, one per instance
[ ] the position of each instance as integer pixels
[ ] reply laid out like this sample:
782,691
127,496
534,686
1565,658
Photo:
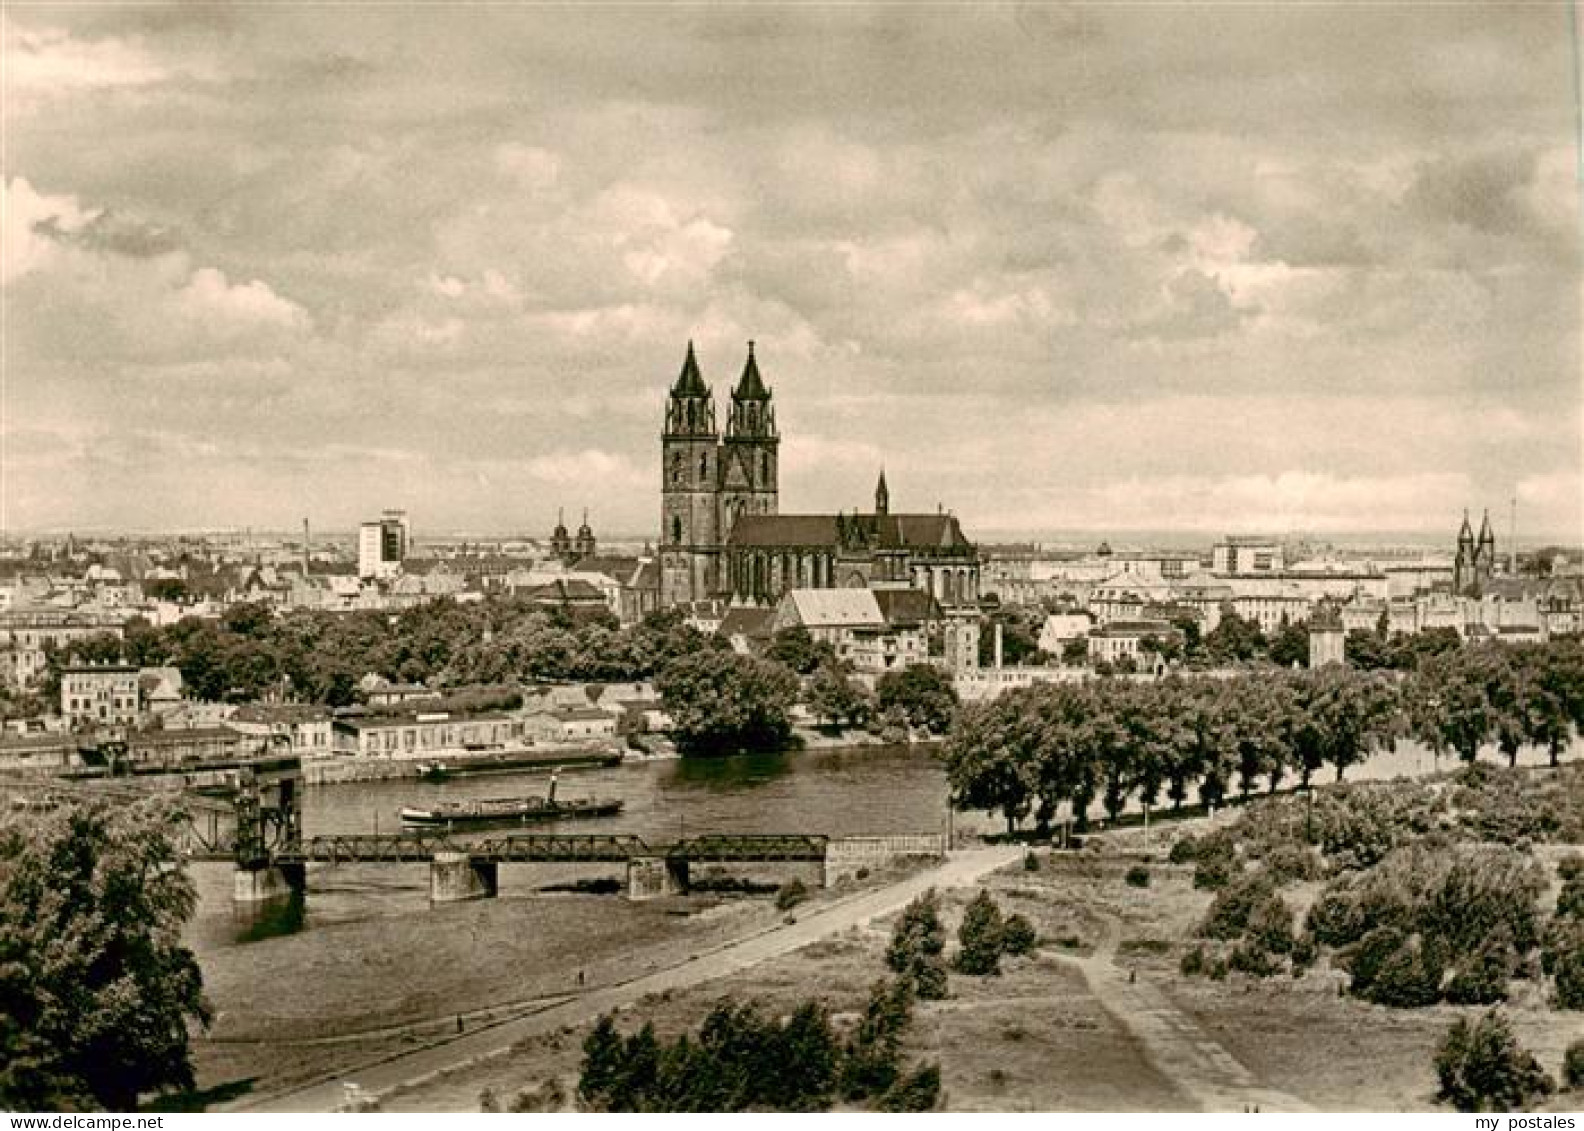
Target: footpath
960,869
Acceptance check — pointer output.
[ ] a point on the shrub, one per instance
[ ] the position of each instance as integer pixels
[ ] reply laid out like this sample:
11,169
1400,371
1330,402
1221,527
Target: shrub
979,937
1215,864
1566,962
548,1096
917,941
1304,954
1018,936
1184,850
1408,977
1481,979
1230,910
1570,900
1270,924
1291,863
1193,962
790,894
919,1090
1573,1065
1252,959
1482,1067
1030,862
1138,876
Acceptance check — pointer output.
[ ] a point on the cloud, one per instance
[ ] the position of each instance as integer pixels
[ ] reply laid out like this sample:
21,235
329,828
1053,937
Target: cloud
1016,252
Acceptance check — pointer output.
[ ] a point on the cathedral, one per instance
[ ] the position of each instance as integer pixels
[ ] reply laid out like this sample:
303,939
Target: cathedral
1475,560
722,533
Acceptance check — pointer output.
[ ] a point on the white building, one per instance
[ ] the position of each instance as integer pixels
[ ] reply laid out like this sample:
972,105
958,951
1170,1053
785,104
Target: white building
383,545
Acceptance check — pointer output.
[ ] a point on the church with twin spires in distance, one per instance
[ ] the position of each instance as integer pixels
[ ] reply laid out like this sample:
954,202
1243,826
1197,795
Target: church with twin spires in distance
722,534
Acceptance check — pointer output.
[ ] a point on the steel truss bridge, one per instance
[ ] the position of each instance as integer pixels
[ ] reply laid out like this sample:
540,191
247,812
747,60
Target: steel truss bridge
549,848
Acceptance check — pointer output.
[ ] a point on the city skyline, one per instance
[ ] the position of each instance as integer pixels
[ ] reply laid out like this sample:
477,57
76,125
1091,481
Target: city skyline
1057,268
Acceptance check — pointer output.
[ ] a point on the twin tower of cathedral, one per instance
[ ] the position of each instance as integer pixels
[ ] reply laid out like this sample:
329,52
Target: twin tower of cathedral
722,535
710,480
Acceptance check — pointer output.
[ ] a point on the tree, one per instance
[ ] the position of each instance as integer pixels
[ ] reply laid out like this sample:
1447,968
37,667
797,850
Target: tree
1289,647
1234,639
1075,652
1482,1067
917,941
720,702
837,699
96,987
794,648
924,692
602,1062
979,937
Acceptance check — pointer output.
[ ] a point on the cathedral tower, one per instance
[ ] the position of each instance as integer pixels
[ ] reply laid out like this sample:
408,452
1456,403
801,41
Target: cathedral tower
751,453
690,470
1463,563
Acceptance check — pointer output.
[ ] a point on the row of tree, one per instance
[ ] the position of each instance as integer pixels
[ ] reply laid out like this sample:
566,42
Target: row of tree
1032,751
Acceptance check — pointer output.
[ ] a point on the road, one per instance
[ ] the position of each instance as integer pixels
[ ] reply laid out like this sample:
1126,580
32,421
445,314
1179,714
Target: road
1174,1043
960,869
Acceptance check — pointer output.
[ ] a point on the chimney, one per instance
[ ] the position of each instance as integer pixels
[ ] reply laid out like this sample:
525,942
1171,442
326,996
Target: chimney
998,646
305,549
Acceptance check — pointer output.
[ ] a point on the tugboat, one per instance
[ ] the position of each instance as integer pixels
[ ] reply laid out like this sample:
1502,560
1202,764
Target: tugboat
497,811
433,771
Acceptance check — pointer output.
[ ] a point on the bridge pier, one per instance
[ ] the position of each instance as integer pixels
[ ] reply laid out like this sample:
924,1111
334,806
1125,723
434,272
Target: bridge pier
456,876
269,883
653,877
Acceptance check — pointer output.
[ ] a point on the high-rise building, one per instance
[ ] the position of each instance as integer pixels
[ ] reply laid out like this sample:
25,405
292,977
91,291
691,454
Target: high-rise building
383,545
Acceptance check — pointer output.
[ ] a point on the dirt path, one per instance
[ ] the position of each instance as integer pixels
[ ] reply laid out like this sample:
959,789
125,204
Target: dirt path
413,1068
1172,1041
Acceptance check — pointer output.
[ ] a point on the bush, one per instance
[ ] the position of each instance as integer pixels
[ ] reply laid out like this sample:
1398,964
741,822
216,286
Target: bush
1305,953
1252,959
1230,910
919,1090
1270,924
1566,963
979,937
1573,1065
1481,979
1030,862
917,941
1215,863
1570,900
1193,962
1482,1067
1407,977
1018,936
790,894
1184,851
1292,863
1138,876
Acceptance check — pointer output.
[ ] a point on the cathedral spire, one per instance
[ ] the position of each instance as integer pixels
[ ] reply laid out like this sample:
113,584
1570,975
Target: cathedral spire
689,382
1486,536
882,495
751,386
1466,534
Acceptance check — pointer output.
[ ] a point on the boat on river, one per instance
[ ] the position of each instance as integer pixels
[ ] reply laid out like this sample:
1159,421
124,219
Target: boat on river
498,811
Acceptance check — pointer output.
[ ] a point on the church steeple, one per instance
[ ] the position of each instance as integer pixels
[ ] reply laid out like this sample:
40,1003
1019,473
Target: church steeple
1487,538
882,496
691,409
1466,534
752,415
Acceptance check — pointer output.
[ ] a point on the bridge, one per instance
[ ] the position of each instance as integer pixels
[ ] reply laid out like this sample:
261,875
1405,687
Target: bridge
249,813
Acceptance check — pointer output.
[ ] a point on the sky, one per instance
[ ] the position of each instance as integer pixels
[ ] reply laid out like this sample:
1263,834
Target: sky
1219,268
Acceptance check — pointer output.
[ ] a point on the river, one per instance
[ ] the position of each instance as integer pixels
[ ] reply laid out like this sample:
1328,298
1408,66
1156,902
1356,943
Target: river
854,791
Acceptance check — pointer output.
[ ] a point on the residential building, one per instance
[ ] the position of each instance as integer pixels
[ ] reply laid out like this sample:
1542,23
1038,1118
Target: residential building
100,695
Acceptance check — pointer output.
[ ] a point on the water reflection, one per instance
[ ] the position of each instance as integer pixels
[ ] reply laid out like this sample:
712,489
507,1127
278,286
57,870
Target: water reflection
271,919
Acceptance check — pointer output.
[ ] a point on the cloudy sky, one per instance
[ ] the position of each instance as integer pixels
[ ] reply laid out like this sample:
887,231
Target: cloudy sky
1055,266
